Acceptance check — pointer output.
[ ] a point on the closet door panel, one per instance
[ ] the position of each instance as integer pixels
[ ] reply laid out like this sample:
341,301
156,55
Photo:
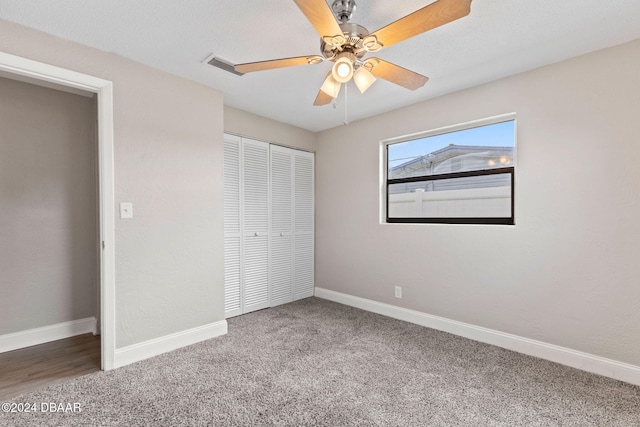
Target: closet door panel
304,272
281,270
281,180
304,224
255,171
231,170
232,277
255,202
256,273
232,222
304,189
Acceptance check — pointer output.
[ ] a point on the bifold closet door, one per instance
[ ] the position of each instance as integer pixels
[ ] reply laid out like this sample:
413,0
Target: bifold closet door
246,225
292,225
268,225
303,163
281,225
232,223
255,203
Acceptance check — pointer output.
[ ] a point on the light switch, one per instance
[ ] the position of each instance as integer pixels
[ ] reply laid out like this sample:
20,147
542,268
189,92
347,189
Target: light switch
126,210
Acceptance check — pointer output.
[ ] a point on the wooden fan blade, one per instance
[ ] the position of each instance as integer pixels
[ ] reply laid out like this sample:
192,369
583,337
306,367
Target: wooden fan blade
396,74
322,99
277,63
429,17
319,13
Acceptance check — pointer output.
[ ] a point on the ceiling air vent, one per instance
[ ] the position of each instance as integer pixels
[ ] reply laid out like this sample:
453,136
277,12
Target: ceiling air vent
222,64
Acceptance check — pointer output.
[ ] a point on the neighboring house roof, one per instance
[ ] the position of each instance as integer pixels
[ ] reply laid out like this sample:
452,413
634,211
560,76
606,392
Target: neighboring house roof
453,158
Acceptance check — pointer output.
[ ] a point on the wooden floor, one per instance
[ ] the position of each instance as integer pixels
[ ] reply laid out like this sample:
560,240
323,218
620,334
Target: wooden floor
31,368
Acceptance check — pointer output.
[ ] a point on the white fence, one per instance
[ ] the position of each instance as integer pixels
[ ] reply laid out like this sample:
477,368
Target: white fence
474,203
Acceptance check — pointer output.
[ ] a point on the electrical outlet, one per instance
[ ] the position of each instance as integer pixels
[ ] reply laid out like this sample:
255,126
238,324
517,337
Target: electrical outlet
398,291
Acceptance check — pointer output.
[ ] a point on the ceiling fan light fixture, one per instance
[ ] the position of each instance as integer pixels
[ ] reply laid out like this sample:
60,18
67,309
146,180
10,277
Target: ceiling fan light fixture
330,86
343,68
363,79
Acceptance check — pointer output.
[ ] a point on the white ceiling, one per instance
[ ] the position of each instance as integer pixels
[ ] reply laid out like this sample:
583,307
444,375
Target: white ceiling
498,38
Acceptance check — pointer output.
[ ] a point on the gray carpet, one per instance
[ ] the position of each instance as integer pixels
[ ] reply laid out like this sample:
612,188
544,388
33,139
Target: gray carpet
314,362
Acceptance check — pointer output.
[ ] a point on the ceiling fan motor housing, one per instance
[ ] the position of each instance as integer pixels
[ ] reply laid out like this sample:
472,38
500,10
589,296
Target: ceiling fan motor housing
343,9
353,35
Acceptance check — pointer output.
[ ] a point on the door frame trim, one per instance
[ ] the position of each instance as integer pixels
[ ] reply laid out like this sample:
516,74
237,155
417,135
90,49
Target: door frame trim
47,75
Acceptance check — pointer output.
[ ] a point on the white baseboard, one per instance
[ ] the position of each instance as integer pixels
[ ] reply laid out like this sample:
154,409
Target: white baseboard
566,356
45,334
144,350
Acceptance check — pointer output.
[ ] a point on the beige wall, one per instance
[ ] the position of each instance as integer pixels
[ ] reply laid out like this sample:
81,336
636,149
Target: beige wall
242,123
168,163
48,207
567,273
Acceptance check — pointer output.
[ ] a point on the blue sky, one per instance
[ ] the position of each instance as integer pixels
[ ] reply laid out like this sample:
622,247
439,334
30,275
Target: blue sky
499,134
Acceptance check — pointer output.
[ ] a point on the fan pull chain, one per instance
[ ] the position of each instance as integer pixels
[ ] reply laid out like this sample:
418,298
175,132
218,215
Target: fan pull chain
346,122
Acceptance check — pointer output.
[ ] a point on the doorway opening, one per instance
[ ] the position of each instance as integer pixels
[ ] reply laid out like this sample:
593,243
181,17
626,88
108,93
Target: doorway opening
34,72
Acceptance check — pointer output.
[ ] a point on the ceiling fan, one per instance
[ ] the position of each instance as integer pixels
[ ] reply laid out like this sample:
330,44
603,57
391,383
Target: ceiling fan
346,44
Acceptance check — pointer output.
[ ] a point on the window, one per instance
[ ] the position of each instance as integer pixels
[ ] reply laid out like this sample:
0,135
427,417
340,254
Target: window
457,175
